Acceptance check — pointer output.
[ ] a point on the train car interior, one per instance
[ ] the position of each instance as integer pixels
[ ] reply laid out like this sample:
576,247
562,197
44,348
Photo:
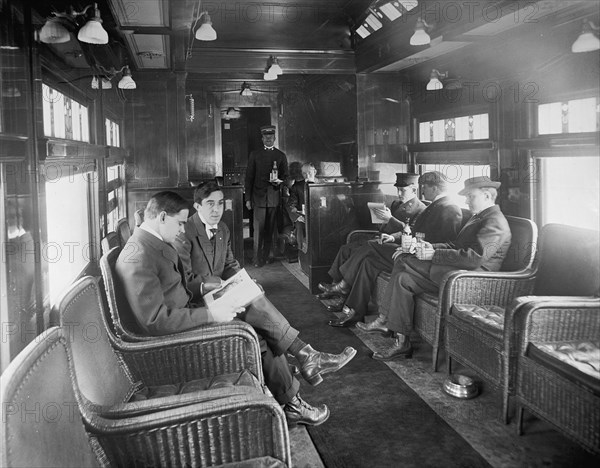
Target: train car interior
105,103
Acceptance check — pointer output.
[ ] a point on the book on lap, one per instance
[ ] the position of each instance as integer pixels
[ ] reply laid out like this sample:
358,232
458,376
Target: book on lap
238,291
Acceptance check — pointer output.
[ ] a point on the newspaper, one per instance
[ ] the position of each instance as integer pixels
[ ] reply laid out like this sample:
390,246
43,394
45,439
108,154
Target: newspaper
373,206
238,291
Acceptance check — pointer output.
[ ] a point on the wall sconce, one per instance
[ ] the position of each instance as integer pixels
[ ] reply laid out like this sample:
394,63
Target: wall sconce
126,81
106,84
92,32
587,41
273,70
420,37
434,80
205,32
246,91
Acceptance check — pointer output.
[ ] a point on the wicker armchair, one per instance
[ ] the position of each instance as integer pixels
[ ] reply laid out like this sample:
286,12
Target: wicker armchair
43,414
480,329
109,241
123,231
557,390
187,387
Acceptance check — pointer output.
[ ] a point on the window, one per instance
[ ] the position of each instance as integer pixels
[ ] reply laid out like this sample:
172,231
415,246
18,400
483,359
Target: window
112,133
69,193
569,191
64,117
115,208
469,127
456,175
574,116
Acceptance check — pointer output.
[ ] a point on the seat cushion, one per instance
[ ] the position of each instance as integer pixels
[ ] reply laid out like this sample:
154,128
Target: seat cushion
489,318
243,378
577,361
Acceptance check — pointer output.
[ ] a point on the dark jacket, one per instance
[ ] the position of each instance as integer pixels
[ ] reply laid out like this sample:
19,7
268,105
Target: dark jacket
296,199
155,286
401,213
200,260
258,189
440,221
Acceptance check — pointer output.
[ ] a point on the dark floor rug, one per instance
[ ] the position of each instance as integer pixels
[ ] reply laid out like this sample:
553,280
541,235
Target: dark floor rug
376,419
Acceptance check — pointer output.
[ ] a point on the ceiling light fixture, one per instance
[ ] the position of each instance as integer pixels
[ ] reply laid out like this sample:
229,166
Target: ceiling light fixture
272,69
126,81
55,29
420,37
205,32
434,80
246,92
587,41
106,84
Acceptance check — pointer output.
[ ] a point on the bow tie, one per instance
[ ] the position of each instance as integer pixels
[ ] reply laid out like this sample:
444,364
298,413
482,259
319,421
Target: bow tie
270,149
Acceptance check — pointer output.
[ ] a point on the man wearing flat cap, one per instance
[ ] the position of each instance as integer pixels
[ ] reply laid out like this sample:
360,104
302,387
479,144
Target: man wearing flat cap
403,211
267,169
481,244
439,222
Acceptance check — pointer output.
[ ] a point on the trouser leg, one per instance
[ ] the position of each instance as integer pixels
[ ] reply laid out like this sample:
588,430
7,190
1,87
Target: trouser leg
269,323
278,378
364,283
269,230
259,227
342,256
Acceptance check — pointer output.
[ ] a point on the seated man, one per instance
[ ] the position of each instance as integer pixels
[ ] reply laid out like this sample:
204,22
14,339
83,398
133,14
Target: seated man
295,204
403,211
439,222
155,284
481,244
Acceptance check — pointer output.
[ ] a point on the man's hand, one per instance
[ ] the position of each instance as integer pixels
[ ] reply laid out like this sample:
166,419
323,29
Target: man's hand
225,313
386,238
300,219
397,254
425,251
214,282
383,214
249,204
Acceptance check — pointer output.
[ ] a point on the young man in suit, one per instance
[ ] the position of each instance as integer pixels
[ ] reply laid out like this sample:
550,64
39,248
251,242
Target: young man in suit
204,247
296,201
439,222
481,244
263,194
403,211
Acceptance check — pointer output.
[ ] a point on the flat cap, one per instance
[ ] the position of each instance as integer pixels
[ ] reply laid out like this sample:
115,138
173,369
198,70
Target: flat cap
404,179
267,130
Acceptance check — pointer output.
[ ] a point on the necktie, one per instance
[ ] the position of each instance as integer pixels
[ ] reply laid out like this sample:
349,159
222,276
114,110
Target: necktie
214,235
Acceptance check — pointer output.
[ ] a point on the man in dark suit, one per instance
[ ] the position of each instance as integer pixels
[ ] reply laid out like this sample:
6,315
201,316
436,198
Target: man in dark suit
439,222
204,245
267,169
295,204
481,244
403,211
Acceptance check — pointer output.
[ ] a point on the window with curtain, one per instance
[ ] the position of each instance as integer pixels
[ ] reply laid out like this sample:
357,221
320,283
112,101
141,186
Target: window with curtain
112,133
115,190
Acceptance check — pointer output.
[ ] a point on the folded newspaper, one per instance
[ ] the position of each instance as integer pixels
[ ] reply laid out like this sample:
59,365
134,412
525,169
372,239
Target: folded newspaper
238,291
373,206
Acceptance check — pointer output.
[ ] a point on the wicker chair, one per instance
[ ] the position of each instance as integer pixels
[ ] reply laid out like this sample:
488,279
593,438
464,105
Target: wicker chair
109,241
480,329
557,391
123,231
187,387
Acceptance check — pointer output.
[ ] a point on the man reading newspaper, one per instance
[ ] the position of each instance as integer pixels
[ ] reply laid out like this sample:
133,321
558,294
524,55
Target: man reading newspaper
205,250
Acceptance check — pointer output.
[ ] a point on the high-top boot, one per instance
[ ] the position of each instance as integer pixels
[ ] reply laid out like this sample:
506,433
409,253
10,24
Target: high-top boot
376,326
314,363
298,411
400,349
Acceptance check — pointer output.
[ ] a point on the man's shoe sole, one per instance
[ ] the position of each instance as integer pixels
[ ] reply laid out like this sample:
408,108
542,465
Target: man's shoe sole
393,357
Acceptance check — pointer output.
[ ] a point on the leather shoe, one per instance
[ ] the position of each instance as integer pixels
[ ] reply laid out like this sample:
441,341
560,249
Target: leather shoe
400,349
257,263
376,326
315,363
327,295
349,318
333,288
269,260
298,411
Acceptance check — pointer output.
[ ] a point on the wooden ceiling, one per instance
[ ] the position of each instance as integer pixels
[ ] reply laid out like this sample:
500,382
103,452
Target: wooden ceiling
492,38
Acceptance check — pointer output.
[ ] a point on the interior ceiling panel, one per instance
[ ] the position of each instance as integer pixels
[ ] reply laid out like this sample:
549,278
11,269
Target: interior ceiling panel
141,13
149,50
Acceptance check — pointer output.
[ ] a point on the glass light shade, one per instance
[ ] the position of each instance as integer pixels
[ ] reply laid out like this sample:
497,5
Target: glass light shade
92,32
206,32
276,69
434,84
420,37
586,42
269,76
246,92
127,82
53,32
106,84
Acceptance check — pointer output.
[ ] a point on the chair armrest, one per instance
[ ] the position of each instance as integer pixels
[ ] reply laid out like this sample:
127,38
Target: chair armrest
215,350
484,287
361,234
235,428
